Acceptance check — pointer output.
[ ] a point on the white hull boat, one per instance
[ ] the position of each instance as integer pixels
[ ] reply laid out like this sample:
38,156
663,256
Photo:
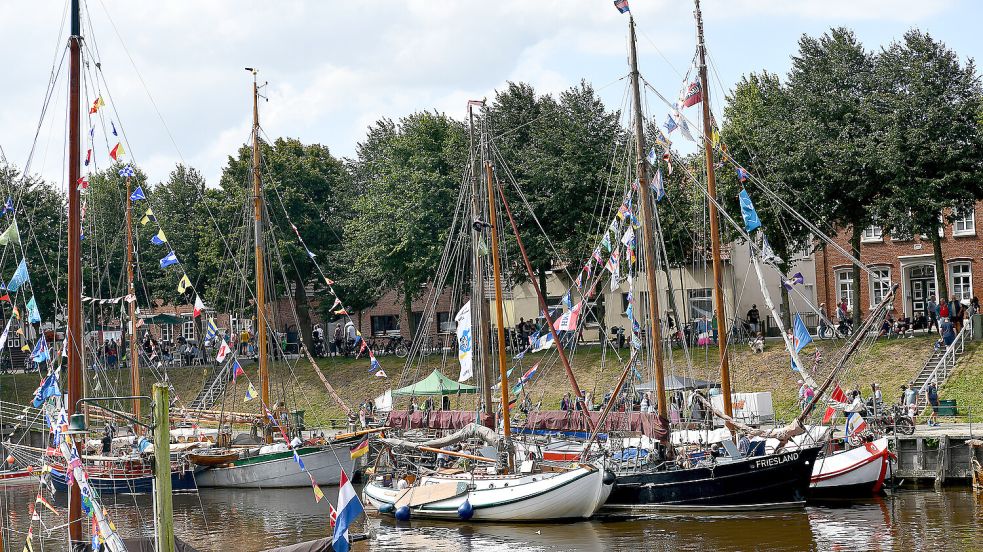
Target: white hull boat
280,470
572,494
859,471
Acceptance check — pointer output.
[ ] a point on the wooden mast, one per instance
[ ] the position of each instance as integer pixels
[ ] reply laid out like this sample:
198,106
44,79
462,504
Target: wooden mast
264,374
648,231
499,312
131,303
479,306
74,261
718,269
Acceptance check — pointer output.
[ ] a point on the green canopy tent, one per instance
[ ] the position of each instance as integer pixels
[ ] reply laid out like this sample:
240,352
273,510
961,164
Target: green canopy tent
435,384
164,319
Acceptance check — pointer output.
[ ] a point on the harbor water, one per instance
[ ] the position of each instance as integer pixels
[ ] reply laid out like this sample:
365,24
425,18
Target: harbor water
254,520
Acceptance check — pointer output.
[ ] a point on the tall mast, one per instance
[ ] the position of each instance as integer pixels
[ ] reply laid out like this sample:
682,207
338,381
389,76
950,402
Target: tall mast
648,230
131,307
479,307
74,299
499,312
718,269
264,374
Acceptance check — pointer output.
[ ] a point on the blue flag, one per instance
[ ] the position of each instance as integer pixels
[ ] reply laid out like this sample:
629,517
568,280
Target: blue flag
33,315
20,276
159,238
40,352
652,157
658,186
742,174
751,220
622,6
137,194
47,389
8,206
800,338
112,124
168,260
129,172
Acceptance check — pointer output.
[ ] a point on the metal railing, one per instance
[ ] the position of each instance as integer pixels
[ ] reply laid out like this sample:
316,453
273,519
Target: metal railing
947,362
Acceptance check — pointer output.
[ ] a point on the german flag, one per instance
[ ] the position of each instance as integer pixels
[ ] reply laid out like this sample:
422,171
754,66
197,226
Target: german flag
360,449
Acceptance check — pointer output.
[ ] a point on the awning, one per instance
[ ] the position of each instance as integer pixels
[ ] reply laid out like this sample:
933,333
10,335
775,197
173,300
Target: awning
435,384
678,383
164,319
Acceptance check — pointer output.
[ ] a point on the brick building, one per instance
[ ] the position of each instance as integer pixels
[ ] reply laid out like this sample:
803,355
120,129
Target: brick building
908,261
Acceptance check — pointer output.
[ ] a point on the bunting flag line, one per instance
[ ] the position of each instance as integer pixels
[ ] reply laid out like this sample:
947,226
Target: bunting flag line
137,194
211,329
148,217
606,242
117,151
237,370
159,239
251,393
128,172
10,235
33,314
612,264
199,306
318,494
183,284
40,352
169,259
751,220
223,351
98,103
88,157
658,185
20,276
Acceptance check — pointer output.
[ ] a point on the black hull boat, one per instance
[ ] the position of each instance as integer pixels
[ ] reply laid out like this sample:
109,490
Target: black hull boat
760,482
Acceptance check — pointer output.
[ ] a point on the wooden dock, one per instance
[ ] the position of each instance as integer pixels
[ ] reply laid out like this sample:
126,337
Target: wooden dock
938,454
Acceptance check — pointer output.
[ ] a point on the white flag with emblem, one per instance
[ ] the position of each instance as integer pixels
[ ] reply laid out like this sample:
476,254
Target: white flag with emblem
465,341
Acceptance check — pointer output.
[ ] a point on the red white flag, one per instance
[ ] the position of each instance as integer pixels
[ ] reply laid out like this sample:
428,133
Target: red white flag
333,516
223,351
839,396
199,306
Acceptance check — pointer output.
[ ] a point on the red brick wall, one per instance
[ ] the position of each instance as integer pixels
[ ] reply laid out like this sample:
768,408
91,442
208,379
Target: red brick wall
392,304
888,253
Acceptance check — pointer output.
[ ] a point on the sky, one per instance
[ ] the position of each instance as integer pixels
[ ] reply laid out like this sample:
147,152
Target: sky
179,93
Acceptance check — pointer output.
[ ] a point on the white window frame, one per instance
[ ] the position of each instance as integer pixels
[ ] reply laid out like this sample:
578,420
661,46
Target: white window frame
963,287
166,332
697,297
188,329
964,222
872,234
844,276
880,284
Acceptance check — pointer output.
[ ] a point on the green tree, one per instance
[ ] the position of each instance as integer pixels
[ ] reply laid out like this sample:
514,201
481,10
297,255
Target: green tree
833,160
408,174
304,186
933,142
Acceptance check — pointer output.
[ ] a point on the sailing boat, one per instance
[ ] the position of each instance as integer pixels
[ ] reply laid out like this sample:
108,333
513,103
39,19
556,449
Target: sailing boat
272,465
508,488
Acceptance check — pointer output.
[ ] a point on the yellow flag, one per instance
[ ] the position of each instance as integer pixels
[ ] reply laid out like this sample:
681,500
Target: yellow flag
715,138
25,348
10,235
318,494
16,313
147,216
251,393
184,284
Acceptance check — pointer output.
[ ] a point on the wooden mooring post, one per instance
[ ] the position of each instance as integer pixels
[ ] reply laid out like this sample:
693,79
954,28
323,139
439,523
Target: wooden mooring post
162,469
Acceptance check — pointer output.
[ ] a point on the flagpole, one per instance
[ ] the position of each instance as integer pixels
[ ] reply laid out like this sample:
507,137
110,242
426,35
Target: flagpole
499,312
648,231
480,314
74,261
264,374
718,269
131,307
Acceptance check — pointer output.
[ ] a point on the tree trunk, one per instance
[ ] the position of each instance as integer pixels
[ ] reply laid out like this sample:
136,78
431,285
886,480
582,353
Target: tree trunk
855,247
408,313
542,284
941,277
303,314
786,308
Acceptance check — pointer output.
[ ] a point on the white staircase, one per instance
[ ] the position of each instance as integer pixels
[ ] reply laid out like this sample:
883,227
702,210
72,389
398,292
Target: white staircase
940,365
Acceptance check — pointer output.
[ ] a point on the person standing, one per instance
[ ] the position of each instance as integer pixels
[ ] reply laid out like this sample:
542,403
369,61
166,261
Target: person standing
956,313
948,332
933,313
932,393
753,318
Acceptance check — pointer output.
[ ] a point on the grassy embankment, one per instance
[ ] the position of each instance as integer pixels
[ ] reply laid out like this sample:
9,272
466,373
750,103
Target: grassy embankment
889,363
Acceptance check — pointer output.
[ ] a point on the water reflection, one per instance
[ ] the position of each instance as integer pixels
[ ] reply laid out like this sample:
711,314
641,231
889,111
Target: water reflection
253,520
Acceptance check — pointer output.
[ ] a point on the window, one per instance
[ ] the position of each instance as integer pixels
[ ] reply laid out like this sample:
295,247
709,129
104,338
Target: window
961,280
873,233
13,339
166,332
964,222
188,329
384,325
700,303
844,287
445,323
880,284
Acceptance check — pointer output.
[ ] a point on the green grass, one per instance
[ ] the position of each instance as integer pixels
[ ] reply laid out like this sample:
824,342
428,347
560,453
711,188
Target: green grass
890,363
